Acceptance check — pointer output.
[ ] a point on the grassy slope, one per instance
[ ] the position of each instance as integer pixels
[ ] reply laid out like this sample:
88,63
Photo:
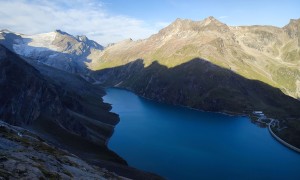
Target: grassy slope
255,52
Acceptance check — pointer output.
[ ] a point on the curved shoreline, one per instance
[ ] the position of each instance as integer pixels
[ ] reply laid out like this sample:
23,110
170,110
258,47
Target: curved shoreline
219,112
227,113
282,141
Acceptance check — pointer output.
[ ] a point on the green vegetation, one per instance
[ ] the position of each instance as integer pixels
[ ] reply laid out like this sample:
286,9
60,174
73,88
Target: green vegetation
287,77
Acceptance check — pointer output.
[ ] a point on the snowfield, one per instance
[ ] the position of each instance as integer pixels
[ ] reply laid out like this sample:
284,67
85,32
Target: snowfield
32,44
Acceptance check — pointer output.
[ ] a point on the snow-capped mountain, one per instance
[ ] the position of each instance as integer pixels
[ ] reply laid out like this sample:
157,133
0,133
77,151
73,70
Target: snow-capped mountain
57,49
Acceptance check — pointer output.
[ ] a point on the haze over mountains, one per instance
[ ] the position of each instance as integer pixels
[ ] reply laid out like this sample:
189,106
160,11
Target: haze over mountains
205,65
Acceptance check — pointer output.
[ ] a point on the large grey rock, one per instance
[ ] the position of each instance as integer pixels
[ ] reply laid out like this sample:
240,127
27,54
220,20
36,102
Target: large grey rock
24,155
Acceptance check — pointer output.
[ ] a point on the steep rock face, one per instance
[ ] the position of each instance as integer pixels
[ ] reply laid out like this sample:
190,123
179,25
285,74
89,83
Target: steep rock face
57,49
263,53
25,95
38,101
293,28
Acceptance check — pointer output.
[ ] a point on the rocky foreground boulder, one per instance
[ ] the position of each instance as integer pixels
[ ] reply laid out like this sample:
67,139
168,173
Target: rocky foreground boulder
27,156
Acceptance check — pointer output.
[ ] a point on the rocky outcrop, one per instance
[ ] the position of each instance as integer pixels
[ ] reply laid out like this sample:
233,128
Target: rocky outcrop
293,28
24,155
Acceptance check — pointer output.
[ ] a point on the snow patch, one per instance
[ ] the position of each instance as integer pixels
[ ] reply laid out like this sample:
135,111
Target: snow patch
32,44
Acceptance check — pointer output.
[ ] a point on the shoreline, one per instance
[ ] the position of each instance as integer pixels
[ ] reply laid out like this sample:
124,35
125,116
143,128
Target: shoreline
227,113
282,141
220,112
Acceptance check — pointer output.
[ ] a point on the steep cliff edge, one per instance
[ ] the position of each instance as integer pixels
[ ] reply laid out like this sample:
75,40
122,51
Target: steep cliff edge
25,95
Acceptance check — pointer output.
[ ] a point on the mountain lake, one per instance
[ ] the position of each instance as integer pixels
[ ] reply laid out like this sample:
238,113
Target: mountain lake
180,143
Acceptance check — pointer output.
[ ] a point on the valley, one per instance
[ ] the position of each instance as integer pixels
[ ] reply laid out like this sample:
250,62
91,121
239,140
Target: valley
53,84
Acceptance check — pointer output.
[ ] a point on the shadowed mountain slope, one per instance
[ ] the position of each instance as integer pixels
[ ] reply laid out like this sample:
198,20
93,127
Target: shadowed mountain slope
62,108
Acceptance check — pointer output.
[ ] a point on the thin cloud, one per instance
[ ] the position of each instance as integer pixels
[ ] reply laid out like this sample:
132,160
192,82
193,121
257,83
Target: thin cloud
77,17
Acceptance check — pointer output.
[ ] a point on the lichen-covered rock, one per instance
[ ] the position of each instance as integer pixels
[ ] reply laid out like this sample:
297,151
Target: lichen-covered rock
24,155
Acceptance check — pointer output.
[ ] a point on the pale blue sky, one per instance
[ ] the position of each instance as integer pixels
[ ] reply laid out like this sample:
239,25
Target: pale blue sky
109,21
232,12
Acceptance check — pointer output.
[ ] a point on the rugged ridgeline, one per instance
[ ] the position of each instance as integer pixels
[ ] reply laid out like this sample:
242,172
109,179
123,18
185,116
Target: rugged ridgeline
241,69
265,53
62,108
57,49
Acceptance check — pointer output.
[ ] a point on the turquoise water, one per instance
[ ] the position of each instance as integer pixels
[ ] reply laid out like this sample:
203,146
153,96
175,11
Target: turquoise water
180,143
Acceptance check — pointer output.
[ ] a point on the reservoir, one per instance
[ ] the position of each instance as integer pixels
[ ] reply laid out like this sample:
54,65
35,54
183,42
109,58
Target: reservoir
180,143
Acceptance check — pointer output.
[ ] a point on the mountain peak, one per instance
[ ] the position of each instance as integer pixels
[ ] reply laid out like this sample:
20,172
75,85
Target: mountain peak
82,38
181,22
210,20
186,25
293,28
5,31
293,23
61,32
297,21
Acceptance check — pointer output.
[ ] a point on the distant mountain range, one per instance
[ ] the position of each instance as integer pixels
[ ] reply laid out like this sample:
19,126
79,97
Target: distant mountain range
205,65
266,53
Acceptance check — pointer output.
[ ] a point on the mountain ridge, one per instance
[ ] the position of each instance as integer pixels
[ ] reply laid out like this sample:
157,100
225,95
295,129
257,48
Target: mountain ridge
263,53
57,49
